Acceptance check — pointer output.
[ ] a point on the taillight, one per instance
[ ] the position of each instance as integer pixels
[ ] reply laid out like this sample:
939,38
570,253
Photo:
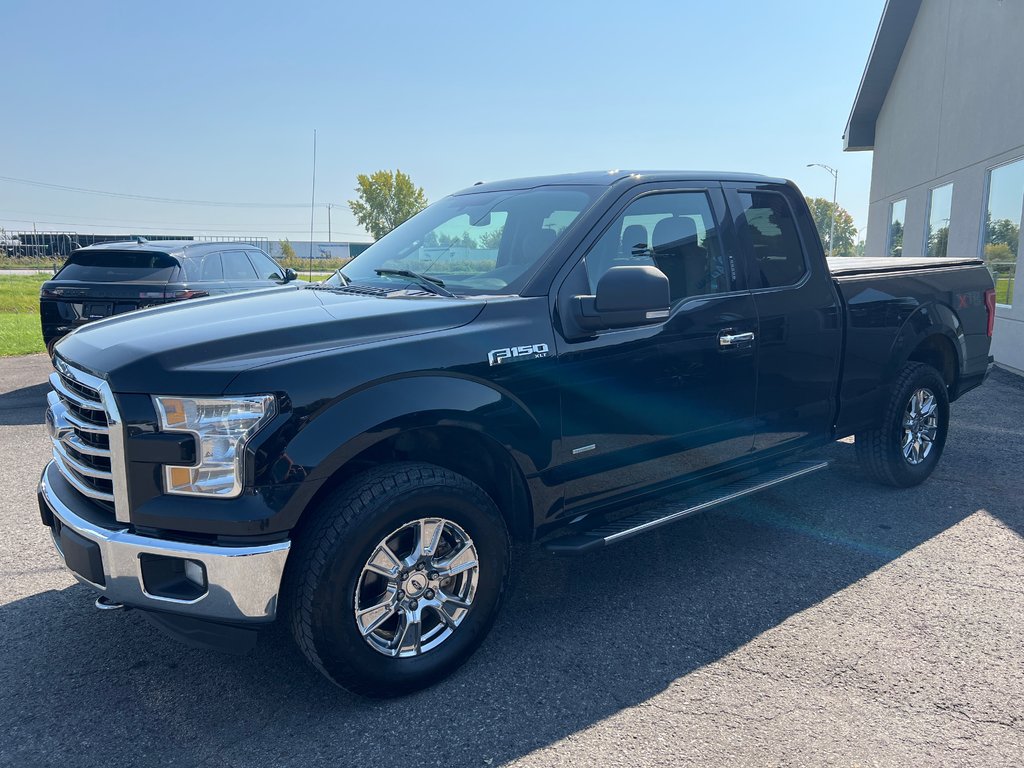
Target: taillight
188,294
46,293
990,305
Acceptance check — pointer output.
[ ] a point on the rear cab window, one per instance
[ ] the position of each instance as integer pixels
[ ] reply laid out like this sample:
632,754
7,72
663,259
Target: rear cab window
119,267
768,226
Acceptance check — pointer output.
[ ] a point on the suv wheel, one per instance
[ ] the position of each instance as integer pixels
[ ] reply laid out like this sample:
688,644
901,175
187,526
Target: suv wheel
398,578
906,448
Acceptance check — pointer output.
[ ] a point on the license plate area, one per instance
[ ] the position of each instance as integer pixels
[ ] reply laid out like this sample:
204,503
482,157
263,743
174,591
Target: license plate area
94,309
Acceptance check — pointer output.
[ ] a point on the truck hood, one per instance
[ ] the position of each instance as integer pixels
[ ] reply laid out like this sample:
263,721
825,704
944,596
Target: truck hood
197,347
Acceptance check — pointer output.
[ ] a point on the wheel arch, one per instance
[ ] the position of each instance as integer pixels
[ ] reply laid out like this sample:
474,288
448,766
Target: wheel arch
460,424
933,335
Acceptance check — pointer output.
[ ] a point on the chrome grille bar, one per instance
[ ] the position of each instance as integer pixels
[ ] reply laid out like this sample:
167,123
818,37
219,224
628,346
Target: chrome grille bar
85,428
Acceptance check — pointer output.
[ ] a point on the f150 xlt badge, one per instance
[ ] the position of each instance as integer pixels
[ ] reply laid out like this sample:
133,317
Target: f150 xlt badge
508,354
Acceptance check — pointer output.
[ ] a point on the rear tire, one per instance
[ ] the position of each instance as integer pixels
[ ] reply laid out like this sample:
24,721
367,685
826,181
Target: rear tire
905,449
369,583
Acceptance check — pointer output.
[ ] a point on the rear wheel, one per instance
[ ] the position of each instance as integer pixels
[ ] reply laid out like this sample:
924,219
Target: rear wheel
398,579
905,449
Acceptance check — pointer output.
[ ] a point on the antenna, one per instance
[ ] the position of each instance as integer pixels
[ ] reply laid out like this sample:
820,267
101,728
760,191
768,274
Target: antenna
312,210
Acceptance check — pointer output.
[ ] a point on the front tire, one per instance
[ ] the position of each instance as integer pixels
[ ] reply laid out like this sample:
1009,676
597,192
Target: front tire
397,578
906,448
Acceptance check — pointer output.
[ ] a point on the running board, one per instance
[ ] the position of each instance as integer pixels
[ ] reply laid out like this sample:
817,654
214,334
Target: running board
662,512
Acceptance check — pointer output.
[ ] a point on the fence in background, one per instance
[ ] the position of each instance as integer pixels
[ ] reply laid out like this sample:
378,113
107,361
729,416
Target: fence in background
58,245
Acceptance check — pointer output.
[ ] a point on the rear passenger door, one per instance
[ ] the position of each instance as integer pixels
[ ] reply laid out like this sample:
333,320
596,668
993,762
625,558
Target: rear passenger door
799,335
209,272
239,271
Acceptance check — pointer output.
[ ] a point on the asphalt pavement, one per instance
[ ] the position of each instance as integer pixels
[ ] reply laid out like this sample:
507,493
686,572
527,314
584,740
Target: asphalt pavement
829,621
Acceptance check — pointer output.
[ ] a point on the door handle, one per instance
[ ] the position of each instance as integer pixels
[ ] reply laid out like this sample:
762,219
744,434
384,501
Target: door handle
729,339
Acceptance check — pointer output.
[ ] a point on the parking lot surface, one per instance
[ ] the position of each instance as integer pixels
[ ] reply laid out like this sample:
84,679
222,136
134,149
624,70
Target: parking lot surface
829,621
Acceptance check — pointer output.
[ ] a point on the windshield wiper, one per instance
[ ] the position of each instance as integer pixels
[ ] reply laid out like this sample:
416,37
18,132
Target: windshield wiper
432,284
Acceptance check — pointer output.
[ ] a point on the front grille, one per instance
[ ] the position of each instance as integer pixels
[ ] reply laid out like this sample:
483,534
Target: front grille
85,432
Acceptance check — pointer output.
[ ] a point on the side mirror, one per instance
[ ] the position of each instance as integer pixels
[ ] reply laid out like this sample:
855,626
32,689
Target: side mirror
625,296
289,275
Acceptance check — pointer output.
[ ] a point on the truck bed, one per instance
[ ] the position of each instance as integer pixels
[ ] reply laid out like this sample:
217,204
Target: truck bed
847,266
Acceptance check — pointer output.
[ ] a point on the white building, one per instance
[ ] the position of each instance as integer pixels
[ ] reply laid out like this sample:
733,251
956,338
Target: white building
941,104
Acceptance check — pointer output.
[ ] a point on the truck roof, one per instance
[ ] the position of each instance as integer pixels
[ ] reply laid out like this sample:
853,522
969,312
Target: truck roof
608,178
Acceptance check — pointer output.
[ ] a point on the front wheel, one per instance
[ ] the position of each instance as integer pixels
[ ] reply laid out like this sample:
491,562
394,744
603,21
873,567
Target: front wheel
398,578
905,449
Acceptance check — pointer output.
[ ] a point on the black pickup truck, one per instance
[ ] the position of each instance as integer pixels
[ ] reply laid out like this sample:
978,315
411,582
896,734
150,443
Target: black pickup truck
576,359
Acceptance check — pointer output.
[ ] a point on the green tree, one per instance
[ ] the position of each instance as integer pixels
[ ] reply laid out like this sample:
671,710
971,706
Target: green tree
385,200
938,241
287,251
846,230
999,254
491,240
1002,232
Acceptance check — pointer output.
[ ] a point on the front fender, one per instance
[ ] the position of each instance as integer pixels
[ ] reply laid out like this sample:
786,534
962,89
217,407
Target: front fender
359,420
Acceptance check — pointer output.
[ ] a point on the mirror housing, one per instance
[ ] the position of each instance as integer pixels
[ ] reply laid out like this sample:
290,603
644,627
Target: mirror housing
625,296
289,275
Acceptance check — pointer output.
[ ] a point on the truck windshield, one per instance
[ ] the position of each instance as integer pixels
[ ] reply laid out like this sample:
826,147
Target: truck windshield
477,243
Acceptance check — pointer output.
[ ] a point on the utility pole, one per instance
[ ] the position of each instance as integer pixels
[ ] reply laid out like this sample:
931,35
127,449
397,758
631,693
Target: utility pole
329,206
835,188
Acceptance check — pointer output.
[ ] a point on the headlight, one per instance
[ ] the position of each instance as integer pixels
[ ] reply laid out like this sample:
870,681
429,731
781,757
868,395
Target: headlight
221,426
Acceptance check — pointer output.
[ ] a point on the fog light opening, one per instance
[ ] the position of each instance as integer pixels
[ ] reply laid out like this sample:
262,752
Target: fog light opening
173,578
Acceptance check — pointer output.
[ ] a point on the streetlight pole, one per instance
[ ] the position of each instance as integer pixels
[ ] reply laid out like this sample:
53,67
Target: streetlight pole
835,188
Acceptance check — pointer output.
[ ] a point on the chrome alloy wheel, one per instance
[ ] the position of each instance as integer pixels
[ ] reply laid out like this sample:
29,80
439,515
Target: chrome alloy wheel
920,426
417,587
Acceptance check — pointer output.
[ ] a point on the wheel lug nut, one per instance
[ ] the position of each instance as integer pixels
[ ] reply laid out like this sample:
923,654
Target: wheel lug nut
429,594
432,574
413,604
403,575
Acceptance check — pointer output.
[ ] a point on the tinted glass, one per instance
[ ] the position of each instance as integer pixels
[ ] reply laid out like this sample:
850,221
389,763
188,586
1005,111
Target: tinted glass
212,270
477,243
897,215
940,203
674,232
118,267
1002,226
775,244
237,266
265,267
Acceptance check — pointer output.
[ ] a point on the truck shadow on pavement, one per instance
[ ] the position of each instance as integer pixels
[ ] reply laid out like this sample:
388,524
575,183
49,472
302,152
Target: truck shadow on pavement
23,406
578,641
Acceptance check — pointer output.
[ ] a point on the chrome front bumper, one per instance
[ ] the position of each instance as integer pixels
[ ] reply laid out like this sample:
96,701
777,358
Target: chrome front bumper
242,583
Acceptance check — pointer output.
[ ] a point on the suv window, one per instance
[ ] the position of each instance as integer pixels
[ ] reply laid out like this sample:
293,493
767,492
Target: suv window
673,231
265,267
206,269
237,266
104,266
774,241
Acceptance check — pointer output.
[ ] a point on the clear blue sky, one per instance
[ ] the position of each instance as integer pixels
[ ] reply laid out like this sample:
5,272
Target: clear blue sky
217,101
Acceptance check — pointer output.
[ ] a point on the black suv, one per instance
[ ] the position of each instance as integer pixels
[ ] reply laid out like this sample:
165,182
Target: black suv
113,278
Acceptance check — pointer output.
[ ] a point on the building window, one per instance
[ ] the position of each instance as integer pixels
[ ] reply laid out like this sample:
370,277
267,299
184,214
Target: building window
940,203
1003,215
897,215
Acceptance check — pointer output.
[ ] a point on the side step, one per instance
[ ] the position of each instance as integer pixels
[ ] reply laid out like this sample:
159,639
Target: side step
665,512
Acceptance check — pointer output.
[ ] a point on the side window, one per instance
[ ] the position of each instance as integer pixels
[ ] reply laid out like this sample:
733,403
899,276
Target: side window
237,266
265,267
212,272
774,241
673,231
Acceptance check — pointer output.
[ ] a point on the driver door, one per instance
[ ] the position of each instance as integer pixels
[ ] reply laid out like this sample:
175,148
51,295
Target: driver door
654,405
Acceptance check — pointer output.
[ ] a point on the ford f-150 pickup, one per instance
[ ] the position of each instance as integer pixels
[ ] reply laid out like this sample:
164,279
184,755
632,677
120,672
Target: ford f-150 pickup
572,359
